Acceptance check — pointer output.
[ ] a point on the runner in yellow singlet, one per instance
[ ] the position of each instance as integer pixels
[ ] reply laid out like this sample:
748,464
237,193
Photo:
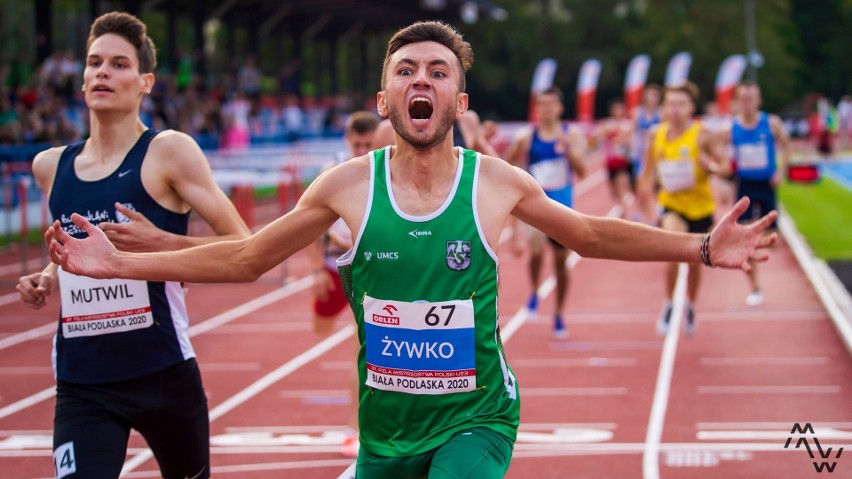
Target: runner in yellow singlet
682,155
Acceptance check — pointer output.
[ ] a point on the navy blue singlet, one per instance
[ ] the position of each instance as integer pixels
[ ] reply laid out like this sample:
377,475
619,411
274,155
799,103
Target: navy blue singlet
114,330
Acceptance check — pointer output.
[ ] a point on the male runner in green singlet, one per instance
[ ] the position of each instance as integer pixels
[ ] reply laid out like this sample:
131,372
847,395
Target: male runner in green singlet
437,397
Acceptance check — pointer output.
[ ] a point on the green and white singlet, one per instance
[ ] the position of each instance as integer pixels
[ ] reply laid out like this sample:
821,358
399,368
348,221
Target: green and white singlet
424,293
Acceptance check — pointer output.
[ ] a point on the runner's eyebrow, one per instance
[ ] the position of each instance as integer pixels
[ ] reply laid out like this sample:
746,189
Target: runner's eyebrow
411,62
117,57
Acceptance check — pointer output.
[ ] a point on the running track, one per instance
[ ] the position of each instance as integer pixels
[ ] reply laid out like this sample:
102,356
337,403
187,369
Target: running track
614,400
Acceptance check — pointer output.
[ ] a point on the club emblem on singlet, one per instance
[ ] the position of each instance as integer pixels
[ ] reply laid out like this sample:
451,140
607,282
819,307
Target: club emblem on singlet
458,255
120,217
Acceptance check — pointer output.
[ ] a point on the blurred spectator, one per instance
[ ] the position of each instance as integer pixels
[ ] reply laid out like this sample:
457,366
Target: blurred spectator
844,119
249,78
224,111
292,116
823,126
11,130
315,115
235,119
288,78
492,135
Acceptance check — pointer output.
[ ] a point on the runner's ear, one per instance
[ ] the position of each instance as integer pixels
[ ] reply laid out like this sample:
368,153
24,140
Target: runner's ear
147,83
381,104
461,104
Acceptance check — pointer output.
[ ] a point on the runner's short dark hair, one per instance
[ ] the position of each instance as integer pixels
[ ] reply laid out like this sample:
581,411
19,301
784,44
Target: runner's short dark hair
553,90
432,31
361,122
131,29
689,88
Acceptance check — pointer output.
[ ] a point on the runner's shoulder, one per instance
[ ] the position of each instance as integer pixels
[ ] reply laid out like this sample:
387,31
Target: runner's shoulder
48,156
775,121
498,171
173,141
45,164
346,174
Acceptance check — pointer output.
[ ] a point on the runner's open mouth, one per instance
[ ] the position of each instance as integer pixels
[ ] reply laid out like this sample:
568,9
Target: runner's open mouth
420,108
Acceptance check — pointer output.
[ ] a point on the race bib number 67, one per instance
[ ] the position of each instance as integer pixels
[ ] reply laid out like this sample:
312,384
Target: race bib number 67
420,348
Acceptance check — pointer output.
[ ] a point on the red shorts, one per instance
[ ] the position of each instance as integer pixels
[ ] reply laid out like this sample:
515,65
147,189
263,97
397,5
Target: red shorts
616,163
336,299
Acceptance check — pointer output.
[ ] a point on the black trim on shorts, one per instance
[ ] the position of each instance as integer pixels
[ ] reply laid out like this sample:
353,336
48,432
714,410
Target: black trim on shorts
701,225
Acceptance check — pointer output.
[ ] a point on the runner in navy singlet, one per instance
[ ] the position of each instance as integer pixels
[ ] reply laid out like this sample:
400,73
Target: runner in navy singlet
122,354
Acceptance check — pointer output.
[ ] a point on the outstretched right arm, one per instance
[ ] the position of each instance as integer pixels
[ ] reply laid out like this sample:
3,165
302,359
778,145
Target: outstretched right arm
226,261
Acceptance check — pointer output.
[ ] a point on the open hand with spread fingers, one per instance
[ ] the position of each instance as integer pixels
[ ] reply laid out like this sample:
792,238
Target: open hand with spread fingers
732,245
138,234
93,256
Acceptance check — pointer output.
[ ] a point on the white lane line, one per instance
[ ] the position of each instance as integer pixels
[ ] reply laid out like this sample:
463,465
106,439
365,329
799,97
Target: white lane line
253,305
780,435
607,449
230,367
25,432
592,391
804,389
28,401
9,298
605,316
594,362
23,370
285,429
651,454
208,367
769,425
252,328
15,268
19,338
549,426
765,361
273,466
200,328
258,386
303,393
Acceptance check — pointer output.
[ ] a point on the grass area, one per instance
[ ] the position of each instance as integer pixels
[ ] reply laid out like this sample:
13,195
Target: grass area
35,237
823,214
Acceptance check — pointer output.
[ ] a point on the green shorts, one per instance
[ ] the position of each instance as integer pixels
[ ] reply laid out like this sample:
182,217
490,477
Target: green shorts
479,453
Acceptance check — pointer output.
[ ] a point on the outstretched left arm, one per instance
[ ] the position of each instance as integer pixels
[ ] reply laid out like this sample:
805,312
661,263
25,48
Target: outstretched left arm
730,245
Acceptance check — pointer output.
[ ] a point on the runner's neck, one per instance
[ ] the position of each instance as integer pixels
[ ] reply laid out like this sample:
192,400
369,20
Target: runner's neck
424,169
749,120
109,140
550,129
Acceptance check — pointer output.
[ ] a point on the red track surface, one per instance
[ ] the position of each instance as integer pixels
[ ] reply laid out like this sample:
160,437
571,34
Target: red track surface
736,390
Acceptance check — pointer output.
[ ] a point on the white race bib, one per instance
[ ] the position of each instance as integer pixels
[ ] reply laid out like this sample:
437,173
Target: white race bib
676,175
92,307
420,348
752,156
551,174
